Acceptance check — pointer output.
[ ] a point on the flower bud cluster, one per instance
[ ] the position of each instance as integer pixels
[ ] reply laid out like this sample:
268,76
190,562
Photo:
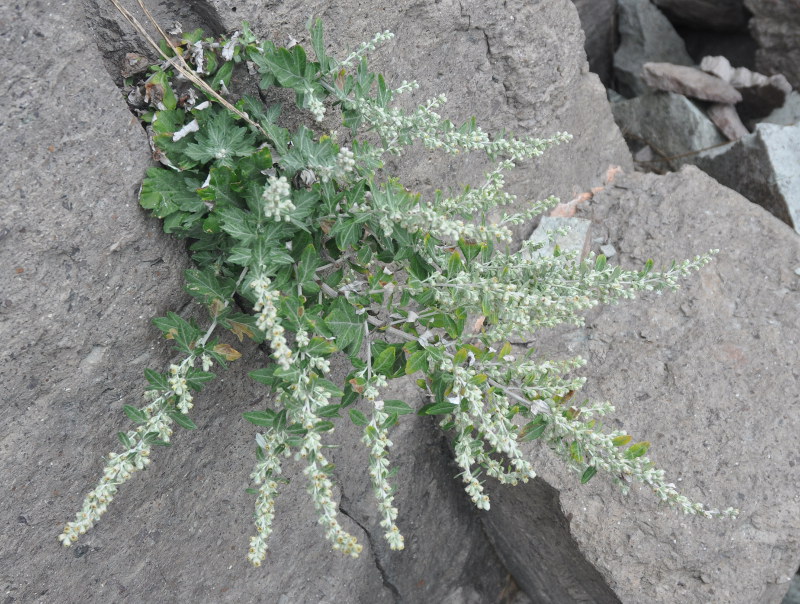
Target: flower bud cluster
267,320
278,199
264,475
120,467
177,382
376,437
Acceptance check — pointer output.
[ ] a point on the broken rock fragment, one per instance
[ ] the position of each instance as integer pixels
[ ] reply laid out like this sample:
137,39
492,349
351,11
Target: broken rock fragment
762,166
689,81
727,120
645,35
760,94
670,123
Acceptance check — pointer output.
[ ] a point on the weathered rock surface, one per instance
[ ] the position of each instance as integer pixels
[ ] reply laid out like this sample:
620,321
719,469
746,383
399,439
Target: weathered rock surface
645,36
763,167
689,81
669,123
721,15
776,27
599,23
727,120
760,94
709,376
86,270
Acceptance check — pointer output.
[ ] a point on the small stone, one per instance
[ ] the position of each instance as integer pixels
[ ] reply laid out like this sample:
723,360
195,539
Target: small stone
760,94
797,271
727,120
577,238
608,250
689,81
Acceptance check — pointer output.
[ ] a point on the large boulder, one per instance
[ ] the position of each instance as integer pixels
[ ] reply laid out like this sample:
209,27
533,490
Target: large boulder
87,270
776,28
709,376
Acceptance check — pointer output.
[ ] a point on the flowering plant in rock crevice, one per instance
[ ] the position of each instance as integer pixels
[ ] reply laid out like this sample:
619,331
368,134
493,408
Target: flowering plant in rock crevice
301,244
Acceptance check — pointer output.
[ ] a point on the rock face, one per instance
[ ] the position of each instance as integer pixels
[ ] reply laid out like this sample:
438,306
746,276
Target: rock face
86,269
645,36
689,81
708,375
599,22
763,167
720,15
776,27
654,119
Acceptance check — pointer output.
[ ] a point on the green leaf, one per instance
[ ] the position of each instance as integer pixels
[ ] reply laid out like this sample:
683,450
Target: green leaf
318,44
159,84
221,140
417,361
320,347
265,375
158,381
183,333
328,411
123,438
291,68
205,286
437,409
384,361
346,326
134,414
166,191
621,441
307,269
637,450
358,418
347,232
195,378
600,263
588,473
395,407
260,418
323,426
182,420
239,225
534,429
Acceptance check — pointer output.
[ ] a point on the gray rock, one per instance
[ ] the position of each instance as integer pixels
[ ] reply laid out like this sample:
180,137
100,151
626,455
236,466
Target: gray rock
776,28
763,167
719,15
689,81
788,114
727,120
88,270
598,19
672,125
645,36
760,94
708,375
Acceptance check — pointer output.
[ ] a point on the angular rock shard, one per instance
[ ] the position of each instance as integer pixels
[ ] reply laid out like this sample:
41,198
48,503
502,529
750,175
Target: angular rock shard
763,167
727,120
670,123
689,81
645,35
